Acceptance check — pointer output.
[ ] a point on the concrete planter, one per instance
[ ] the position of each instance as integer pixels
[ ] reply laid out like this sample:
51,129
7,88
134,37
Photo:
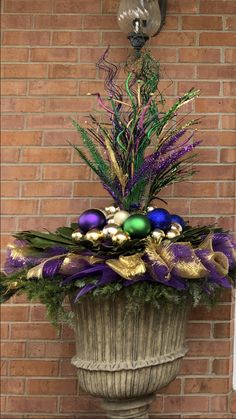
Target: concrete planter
125,358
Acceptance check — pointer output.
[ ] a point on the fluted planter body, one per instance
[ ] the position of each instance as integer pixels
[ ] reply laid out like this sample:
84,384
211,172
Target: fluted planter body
124,355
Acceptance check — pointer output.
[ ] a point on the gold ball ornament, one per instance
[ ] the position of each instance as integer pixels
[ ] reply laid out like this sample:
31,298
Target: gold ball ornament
158,235
120,217
111,210
111,220
94,235
110,230
172,234
14,285
176,227
77,235
120,238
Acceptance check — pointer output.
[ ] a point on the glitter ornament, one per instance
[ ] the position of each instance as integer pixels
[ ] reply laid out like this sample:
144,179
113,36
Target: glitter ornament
120,217
90,219
77,235
158,235
159,218
110,230
94,235
137,226
112,209
172,234
177,219
120,238
176,227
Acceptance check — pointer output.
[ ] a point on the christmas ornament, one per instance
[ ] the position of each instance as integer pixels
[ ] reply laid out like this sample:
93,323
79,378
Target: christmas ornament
159,218
137,226
94,235
171,234
77,235
177,219
120,237
92,218
176,227
150,208
112,209
110,230
158,235
120,217
111,220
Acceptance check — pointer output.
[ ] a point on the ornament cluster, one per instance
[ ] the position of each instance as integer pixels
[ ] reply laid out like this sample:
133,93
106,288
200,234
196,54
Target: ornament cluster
119,226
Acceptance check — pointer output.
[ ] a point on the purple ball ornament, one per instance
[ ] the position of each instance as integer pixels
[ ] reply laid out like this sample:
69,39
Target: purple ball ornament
177,219
91,219
159,218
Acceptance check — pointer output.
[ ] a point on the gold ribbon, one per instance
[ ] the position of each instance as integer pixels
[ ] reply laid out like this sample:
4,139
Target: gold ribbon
219,259
128,267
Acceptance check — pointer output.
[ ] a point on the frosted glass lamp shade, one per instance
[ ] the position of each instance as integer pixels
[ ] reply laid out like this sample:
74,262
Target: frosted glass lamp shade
139,16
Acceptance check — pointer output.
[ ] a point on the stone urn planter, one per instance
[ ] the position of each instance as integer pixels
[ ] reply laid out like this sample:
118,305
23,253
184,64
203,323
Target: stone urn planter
125,358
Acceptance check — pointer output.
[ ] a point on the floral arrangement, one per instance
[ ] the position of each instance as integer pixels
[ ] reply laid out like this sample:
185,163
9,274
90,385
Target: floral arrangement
135,245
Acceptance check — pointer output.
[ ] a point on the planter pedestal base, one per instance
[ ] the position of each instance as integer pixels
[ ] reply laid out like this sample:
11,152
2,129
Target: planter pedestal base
129,408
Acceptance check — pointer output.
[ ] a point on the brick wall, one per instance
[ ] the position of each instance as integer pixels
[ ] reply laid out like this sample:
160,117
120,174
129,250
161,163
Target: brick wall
50,48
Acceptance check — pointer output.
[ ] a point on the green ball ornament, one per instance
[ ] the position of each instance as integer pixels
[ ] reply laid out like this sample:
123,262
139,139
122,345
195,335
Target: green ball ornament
137,226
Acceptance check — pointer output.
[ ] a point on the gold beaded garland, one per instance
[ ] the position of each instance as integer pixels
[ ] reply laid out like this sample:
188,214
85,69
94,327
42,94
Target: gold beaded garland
112,209
158,235
94,235
109,230
77,235
172,234
120,237
176,227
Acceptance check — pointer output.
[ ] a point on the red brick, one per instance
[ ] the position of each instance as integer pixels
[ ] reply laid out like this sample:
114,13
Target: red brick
215,7
206,88
21,138
19,173
67,333
29,368
233,402
230,55
88,189
10,155
199,55
217,39
221,366
55,138
46,155
38,313
70,105
223,330
228,122
12,121
23,105
178,71
51,386
58,22
195,366
92,55
48,121
52,88
13,349
40,223
191,189
104,22
227,189
230,24
54,54
12,385
75,38
219,403
64,206
186,404
186,6
8,224
51,350
209,207
206,385
209,348
4,330
10,189
14,54
70,71
219,138
173,388
216,72
11,88
26,38
228,155
77,6
19,206
229,88
11,313
215,105
46,189
25,6
3,367
202,22
33,331
67,369
198,330
32,404
81,172
221,172
21,71
16,21
75,404
173,38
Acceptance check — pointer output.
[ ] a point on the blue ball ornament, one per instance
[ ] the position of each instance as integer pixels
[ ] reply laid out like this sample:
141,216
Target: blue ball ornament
159,218
90,219
177,219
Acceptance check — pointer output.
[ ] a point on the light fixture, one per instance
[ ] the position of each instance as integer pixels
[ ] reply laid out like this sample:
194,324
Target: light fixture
141,19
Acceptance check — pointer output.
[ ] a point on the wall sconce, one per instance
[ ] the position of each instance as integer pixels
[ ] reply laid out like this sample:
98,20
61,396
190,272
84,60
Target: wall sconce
141,19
